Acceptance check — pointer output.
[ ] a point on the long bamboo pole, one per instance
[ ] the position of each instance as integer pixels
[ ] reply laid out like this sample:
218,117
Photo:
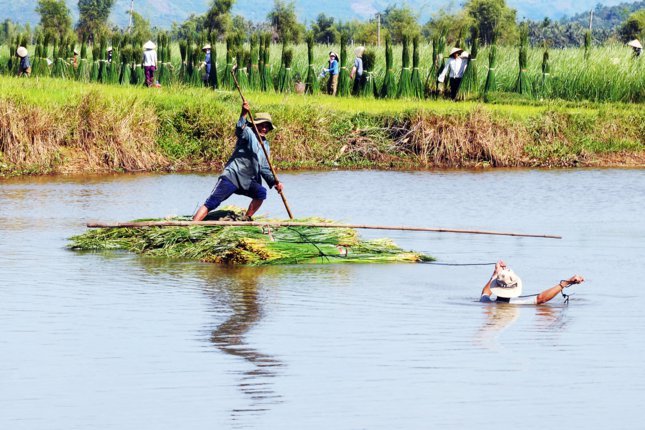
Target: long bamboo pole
266,154
306,224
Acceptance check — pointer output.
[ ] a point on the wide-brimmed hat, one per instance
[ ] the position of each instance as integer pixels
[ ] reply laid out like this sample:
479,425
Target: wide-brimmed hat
21,51
109,48
262,117
455,50
75,51
149,45
635,44
358,51
506,284
207,46
334,54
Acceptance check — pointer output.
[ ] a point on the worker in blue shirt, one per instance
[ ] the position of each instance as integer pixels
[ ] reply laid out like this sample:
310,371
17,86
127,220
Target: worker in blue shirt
246,167
333,69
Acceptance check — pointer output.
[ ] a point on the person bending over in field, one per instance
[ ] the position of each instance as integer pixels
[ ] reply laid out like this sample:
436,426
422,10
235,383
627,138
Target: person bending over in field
506,287
246,167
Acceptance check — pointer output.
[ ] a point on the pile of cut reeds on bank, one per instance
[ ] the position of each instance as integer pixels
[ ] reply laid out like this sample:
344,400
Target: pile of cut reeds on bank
252,245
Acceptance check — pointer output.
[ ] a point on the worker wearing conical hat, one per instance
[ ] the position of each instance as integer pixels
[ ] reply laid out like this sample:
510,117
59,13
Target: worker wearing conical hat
636,46
206,49
24,69
150,62
456,66
246,168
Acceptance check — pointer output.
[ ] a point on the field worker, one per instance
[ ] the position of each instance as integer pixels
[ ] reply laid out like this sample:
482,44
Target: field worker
207,63
246,167
636,45
75,59
333,69
357,69
109,54
24,69
504,286
456,66
149,62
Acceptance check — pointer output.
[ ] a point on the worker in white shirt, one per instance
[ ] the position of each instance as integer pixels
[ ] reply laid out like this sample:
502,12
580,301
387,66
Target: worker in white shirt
456,65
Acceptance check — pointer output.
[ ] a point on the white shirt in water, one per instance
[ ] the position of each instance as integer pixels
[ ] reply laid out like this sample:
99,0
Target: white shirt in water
457,67
149,58
521,300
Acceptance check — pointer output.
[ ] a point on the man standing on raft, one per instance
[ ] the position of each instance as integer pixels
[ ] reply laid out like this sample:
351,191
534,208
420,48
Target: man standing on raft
246,167
506,287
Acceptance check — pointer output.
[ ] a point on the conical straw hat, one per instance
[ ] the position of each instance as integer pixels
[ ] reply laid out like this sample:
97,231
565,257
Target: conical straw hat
207,46
149,45
21,51
635,44
455,50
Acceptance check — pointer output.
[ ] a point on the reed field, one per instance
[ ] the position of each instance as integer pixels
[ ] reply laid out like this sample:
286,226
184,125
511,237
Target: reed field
609,74
50,125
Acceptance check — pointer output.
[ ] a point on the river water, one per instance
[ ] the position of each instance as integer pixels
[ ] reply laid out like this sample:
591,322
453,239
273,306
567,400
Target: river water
117,341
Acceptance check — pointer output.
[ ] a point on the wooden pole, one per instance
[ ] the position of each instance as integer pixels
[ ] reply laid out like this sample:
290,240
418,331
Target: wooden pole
306,224
266,154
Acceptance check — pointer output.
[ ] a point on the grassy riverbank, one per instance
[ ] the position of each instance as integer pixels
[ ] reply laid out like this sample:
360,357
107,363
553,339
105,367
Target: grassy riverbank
53,126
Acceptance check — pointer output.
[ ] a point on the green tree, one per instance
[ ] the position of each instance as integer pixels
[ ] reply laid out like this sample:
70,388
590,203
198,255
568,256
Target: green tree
399,22
140,27
491,16
443,22
55,18
284,21
93,16
633,27
218,17
324,30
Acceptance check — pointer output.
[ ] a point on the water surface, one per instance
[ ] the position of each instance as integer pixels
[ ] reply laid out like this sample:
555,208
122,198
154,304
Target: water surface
115,340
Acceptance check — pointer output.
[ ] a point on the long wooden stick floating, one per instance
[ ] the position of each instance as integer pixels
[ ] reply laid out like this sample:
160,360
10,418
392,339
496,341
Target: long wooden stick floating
305,224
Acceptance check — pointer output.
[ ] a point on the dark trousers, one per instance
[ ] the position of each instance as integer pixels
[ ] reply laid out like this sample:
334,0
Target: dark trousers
150,75
454,87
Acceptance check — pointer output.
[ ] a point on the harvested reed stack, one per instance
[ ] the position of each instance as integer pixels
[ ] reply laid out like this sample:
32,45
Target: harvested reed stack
241,70
196,62
138,75
311,81
546,71
227,77
280,76
286,83
60,68
267,80
39,65
367,86
255,79
161,58
94,71
83,71
388,89
523,83
469,84
212,77
417,85
491,80
344,84
126,69
103,61
114,67
405,78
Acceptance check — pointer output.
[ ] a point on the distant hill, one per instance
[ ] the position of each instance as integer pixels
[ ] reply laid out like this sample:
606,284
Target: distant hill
162,13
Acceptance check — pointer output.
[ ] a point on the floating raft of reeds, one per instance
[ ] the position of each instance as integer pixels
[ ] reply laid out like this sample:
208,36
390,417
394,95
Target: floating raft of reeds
247,245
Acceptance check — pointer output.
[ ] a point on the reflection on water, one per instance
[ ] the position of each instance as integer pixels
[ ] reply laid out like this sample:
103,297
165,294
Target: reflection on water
243,298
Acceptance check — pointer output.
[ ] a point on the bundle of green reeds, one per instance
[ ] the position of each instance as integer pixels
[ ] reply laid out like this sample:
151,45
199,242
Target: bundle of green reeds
83,71
103,78
417,85
227,77
138,75
126,70
286,83
241,71
197,62
523,84
255,81
344,84
213,80
546,71
311,81
60,69
587,43
94,71
405,78
113,68
183,51
367,87
267,80
469,83
161,58
491,78
252,246
279,78
388,89
39,65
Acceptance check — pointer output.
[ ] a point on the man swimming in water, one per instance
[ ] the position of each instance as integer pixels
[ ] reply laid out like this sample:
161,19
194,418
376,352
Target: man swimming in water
506,287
